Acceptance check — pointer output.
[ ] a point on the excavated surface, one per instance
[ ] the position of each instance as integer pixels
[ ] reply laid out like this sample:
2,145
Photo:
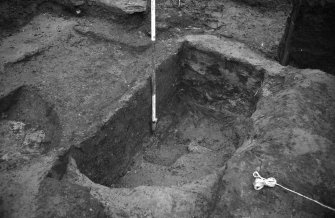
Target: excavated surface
80,76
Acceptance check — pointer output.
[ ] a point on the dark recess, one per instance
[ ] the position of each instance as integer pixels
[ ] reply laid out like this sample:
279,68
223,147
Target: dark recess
309,36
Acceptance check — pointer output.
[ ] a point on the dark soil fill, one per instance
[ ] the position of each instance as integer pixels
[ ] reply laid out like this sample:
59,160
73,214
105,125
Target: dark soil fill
203,119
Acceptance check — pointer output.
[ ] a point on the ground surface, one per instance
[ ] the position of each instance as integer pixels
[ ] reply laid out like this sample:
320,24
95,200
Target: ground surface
75,72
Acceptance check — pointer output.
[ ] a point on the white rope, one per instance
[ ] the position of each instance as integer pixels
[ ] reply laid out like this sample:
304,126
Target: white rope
260,182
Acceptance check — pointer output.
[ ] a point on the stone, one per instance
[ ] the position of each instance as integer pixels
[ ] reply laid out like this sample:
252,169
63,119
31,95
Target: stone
125,6
34,138
71,3
194,147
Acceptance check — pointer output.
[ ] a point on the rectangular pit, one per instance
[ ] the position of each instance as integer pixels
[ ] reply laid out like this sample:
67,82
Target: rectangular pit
204,105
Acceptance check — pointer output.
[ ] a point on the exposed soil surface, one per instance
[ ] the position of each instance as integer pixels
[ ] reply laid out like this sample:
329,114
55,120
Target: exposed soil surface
197,147
75,108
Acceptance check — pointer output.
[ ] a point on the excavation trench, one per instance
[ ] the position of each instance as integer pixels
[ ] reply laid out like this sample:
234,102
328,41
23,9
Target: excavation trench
204,106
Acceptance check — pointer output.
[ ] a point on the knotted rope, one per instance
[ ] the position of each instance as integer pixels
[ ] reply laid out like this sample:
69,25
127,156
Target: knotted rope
260,182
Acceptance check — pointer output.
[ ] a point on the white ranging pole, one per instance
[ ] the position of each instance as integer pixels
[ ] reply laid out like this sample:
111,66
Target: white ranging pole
153,76
153,20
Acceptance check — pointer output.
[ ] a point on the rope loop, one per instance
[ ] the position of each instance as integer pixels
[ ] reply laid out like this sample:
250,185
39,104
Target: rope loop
260,182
